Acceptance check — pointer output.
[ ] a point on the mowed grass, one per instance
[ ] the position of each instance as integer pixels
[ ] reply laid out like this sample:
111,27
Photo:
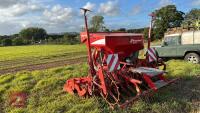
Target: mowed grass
26,55
46,95
15,52
17,56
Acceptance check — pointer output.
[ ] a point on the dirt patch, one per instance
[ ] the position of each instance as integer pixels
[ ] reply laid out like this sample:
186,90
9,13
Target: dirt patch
43,65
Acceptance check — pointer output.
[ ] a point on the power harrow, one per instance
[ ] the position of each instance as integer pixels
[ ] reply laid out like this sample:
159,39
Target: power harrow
115,71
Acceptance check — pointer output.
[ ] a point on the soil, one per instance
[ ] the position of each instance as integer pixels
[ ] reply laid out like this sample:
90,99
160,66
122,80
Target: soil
43,66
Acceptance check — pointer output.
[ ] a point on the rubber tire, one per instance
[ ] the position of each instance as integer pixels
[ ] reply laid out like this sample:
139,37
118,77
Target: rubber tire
195,55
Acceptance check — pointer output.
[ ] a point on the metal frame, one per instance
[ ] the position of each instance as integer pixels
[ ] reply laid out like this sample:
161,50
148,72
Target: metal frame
121,86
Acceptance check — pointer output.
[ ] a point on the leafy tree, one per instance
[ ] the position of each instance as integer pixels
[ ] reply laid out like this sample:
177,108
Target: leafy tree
146,33
14,36
50,39
1,39
106,30
192,19
18,41
7,42
194,14
34,34
167,17
70,39
97,23
122,30
140,30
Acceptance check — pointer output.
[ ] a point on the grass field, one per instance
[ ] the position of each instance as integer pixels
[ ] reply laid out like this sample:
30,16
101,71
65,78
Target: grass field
45,94
16,56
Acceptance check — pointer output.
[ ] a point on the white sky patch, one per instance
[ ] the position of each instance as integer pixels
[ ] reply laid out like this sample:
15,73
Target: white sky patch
62,27
59,14
196,3
34,13
18,14
61,19
163,3
110,8
25,24
9,27
9,3
19,10
89,6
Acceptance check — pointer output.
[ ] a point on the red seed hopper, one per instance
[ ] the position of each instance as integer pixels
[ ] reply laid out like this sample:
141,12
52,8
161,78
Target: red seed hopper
121,43
115,71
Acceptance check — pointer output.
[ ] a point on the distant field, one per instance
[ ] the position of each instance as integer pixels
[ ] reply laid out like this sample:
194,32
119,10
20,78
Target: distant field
46,95
17,56
16,52
27,55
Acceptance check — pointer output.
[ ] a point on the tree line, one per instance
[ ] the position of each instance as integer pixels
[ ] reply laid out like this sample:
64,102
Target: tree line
166,17
34,35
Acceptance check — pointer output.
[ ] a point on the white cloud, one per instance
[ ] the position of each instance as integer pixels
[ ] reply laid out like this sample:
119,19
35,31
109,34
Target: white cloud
163,3
110,8
196,3
9,3
19,10
59,14
16,8
53,18
60,19
17,14
89,6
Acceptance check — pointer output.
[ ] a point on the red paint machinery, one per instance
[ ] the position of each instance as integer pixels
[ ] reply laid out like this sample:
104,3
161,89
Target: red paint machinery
115,71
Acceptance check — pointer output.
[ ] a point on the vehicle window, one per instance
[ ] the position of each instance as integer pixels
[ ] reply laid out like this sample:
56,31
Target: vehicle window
172,41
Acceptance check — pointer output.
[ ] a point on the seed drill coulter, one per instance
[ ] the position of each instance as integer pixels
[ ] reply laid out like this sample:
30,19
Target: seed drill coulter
115,71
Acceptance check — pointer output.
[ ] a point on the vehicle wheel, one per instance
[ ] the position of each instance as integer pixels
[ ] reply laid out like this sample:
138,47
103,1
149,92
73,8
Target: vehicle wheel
192,57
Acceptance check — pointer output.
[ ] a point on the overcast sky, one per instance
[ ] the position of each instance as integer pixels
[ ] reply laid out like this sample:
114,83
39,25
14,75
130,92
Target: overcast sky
64,15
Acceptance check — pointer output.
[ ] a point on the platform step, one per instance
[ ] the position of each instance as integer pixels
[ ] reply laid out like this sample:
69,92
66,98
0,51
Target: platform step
160,83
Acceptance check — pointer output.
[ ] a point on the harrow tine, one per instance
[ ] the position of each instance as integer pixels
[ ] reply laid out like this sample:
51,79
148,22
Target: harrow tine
116,99
125,104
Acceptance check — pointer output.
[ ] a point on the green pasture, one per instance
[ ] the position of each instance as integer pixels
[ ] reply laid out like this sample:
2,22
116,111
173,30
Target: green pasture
15,56
46,95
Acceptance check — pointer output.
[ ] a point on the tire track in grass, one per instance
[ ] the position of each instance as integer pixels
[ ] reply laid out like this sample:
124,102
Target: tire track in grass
43,66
